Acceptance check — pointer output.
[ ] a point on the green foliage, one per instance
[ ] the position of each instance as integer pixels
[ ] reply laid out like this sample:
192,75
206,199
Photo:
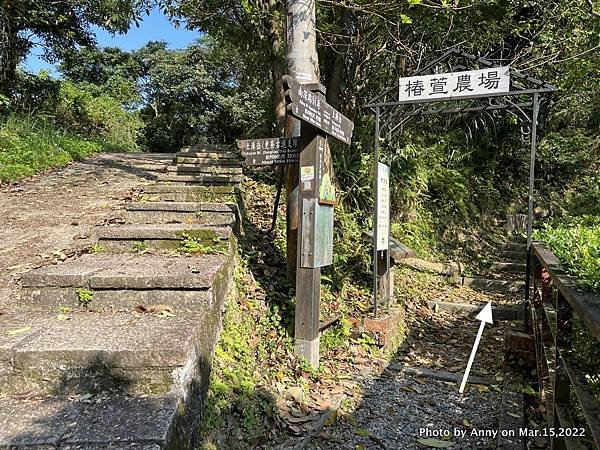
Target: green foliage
194,245
203,93
59,26
85,296
235,396
97,248
577,244
29,146
100,116
336,337
140,247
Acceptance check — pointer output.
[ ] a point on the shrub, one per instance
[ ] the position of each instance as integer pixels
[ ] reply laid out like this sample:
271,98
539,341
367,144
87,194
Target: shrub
101,116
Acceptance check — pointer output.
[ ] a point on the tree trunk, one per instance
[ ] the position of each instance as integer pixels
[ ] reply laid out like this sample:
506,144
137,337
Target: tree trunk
337,70
8,47
277,68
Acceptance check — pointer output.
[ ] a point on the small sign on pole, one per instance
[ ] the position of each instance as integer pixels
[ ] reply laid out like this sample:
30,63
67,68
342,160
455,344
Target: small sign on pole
383,206
454,85
270,151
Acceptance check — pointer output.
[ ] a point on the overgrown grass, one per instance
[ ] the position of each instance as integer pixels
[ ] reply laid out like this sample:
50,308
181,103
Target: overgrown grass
576,243
29,146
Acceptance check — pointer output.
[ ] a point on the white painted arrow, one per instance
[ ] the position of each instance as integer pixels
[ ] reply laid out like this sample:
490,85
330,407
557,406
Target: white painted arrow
485,315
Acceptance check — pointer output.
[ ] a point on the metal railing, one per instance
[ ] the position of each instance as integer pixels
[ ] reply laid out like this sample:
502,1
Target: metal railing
572,409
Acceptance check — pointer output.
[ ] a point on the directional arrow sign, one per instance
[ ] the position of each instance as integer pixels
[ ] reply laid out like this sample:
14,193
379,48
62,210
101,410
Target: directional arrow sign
485,315
312,108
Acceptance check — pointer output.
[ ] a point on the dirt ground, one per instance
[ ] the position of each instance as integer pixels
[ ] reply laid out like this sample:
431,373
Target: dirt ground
53,216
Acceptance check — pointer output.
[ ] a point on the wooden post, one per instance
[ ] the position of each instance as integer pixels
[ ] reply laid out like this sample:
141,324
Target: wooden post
308,280
303,65
383,277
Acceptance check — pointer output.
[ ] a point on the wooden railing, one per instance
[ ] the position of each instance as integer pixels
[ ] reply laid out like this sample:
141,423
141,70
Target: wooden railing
573,410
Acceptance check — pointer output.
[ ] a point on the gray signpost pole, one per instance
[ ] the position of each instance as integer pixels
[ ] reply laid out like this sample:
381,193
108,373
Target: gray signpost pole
534,120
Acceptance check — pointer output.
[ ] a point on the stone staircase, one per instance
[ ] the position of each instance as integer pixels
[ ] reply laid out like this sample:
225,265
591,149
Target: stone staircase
113,349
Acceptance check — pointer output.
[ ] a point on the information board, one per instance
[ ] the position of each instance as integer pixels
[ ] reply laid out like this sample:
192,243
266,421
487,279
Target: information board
383,206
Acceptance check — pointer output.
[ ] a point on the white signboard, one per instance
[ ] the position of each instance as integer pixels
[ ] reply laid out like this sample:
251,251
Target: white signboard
383,206
493,80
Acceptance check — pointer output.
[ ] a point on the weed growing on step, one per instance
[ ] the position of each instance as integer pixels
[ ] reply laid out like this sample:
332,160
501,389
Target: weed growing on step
85,296
97,248
140,247
63,309
193,245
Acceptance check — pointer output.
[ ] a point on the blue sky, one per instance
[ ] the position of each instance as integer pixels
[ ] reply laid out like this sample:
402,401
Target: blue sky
154,27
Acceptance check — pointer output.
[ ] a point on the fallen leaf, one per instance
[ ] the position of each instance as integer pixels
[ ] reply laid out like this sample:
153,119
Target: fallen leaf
296,393
362,432
18,331
62,317
435,443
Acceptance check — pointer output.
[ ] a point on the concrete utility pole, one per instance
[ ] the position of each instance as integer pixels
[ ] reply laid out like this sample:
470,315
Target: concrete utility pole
303,65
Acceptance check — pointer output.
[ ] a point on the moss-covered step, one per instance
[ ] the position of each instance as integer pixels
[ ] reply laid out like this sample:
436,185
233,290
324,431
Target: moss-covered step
104,282
204,169
215,214
183,238
175,192
205,179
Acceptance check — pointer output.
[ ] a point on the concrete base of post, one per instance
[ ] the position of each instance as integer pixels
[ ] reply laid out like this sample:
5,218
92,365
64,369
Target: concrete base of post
309,350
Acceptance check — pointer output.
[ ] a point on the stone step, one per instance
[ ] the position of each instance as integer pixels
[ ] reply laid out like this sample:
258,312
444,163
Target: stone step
516,247
204,169
201,179
219,160
515,255
214,214
103,282
209,154
510,267
490,284
170,192
92,351
162,237
205,147
108,422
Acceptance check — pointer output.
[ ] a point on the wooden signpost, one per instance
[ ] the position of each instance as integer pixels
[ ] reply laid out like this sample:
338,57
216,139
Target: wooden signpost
316,196
316,200
313,109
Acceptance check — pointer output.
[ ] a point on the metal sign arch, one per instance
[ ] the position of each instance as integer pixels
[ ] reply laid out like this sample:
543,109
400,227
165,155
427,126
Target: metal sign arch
523,98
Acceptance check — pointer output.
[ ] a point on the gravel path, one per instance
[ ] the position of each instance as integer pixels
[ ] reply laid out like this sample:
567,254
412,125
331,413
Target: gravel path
398,411
403,411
